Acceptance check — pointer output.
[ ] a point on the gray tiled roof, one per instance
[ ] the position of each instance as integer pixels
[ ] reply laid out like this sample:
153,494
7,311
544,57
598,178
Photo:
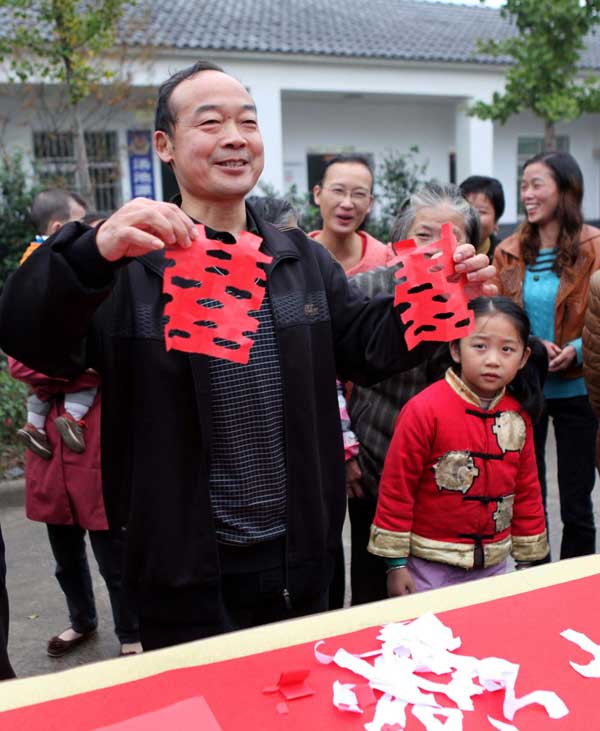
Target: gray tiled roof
403,30
411,30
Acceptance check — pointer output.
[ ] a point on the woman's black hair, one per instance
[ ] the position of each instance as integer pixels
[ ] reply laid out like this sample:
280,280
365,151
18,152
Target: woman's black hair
527,386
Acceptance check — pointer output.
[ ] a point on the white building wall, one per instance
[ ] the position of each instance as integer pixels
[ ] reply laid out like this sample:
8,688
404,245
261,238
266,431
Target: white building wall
18,122
301,109
361,126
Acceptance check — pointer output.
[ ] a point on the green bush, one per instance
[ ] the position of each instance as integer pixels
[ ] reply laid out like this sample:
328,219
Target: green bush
397,176
16,230
13,411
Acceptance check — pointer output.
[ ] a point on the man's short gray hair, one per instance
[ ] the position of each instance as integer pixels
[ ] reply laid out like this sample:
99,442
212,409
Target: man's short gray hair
434,194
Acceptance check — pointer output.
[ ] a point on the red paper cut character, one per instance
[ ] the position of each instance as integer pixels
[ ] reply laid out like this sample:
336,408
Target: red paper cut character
214,286
430,290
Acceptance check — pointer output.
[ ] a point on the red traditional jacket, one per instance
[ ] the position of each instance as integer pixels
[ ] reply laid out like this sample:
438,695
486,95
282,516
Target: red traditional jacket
67,489
460,483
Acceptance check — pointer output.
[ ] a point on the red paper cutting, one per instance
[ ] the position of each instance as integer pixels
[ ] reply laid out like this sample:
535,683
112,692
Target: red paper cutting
188,715
434,294
213,287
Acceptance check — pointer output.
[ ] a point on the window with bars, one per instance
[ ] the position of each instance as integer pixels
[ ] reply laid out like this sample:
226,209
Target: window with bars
528,147
54,154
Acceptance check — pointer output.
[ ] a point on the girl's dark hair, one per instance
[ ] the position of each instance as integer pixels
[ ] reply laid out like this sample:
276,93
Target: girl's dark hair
569,181
527,386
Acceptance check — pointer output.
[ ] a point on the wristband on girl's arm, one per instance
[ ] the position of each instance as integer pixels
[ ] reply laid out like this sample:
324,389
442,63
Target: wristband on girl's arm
394,563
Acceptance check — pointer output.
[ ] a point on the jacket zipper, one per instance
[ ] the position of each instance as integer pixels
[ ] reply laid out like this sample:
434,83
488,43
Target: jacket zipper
285,592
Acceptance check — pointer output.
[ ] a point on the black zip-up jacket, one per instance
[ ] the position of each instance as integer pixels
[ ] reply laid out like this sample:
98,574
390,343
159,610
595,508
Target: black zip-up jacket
67,309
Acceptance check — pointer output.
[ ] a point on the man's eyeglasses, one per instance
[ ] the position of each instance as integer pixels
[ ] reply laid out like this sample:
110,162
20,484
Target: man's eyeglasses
359,195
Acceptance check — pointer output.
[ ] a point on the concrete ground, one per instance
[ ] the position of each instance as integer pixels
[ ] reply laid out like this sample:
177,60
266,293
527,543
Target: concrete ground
37,605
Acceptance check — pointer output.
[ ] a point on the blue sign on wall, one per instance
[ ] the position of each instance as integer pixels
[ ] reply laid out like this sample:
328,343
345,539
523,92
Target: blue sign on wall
141,164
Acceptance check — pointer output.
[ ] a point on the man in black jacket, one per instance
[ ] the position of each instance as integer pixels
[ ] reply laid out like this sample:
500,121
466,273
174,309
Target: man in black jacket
228,479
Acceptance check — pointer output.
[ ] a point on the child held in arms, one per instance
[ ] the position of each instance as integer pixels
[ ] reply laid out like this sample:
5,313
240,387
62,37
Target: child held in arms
51,209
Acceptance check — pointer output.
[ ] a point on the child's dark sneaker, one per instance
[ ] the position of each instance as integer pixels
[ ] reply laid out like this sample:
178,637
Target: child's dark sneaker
35,440
71,432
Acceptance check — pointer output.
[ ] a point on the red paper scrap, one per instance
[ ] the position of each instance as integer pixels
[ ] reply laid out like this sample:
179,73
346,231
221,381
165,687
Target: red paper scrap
431,289
364,695
271,689
292,685
213,287
282,708
188,715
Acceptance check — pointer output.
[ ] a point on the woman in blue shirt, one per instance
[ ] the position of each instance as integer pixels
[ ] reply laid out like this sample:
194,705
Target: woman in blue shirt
546,266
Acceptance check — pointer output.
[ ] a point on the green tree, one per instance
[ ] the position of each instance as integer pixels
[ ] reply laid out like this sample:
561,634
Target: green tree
544,76
63,41
397,176
16,230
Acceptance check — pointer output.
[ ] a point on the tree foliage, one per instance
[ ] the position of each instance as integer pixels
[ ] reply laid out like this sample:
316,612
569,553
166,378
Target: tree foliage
62,41
397,176
544,76
16,229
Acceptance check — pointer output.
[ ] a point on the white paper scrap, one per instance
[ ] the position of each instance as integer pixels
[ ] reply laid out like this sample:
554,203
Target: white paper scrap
427,715
427,629
344,659
325,659
344,698
501,726
321,656
389,711
554,705
592,669
496,673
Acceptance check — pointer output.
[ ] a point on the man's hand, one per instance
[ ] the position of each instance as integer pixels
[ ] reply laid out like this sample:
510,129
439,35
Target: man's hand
354,479
478,270
562,360
400,582
142,226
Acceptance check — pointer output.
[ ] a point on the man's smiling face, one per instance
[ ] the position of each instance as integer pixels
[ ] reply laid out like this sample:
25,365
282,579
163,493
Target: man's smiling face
215,147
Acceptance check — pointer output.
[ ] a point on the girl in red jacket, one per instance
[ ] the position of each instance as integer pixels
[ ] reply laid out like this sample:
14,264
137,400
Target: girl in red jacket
459,489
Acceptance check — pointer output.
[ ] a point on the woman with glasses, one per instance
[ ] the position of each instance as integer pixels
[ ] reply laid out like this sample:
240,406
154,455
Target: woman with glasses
345,198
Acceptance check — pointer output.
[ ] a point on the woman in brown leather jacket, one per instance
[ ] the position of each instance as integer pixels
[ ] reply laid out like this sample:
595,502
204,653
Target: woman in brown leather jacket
546,267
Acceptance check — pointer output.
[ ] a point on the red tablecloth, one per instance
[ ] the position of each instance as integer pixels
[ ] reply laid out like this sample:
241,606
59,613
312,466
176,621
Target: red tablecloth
524,628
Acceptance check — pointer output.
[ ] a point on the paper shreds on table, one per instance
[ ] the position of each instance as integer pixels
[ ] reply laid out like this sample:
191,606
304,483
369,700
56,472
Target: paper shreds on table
426,645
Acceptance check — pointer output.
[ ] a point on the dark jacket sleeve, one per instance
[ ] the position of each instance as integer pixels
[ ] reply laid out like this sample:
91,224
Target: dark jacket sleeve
48,305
